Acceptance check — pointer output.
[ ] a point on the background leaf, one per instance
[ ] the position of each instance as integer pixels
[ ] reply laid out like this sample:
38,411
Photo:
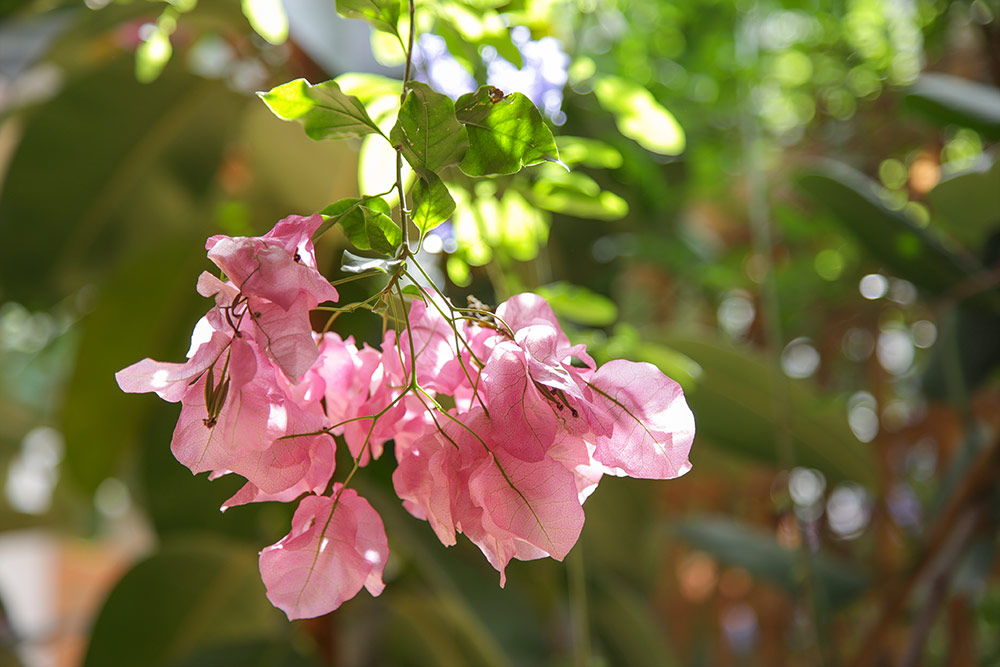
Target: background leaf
185,598
948,99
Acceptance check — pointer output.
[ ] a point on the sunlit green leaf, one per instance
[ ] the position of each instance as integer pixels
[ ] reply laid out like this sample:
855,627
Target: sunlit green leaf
579,304
383,14
268,19
639,116
152,55
324,110
588,152
432,203
504,134
366,223
578,195
346,211
427,131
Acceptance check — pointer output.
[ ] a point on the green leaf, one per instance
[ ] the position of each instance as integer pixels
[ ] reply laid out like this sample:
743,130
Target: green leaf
427,131
579,304
967,205
186,597
504,135
268,19
432,203
383,14
346,211
734,397
149,318
366,223
588,152
153,54
351,263
951,100
639,116
324,110
909,251
578,195
154,149
741,545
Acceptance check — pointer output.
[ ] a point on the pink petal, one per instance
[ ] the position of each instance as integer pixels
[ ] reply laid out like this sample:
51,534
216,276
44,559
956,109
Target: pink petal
653,428
333,550
522,419
169,380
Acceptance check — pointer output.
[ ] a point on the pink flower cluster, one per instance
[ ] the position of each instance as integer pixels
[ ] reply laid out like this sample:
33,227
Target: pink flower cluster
531,424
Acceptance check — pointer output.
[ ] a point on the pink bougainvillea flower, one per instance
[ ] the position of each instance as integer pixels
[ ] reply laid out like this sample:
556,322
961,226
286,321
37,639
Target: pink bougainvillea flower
273,283
170,381
652,426
337,545
260,432
460,479
279,266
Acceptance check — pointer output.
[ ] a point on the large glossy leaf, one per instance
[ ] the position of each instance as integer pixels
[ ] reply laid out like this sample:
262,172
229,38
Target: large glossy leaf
908,251
952,100
87,164
383,14
733,398
741,545
147,309
505,134
324,110
181,601
967,204
427,131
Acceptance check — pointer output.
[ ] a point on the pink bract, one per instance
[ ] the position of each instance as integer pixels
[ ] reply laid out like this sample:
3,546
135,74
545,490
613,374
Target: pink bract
336,547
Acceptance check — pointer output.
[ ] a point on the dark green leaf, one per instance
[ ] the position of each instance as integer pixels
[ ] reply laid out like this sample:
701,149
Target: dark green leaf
741,545
149,318
949,99
277,652
324,110
734,398
909,251
579,304
504,135
432,203
427,131
351,263
153,149
183,599
967,204
383,14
